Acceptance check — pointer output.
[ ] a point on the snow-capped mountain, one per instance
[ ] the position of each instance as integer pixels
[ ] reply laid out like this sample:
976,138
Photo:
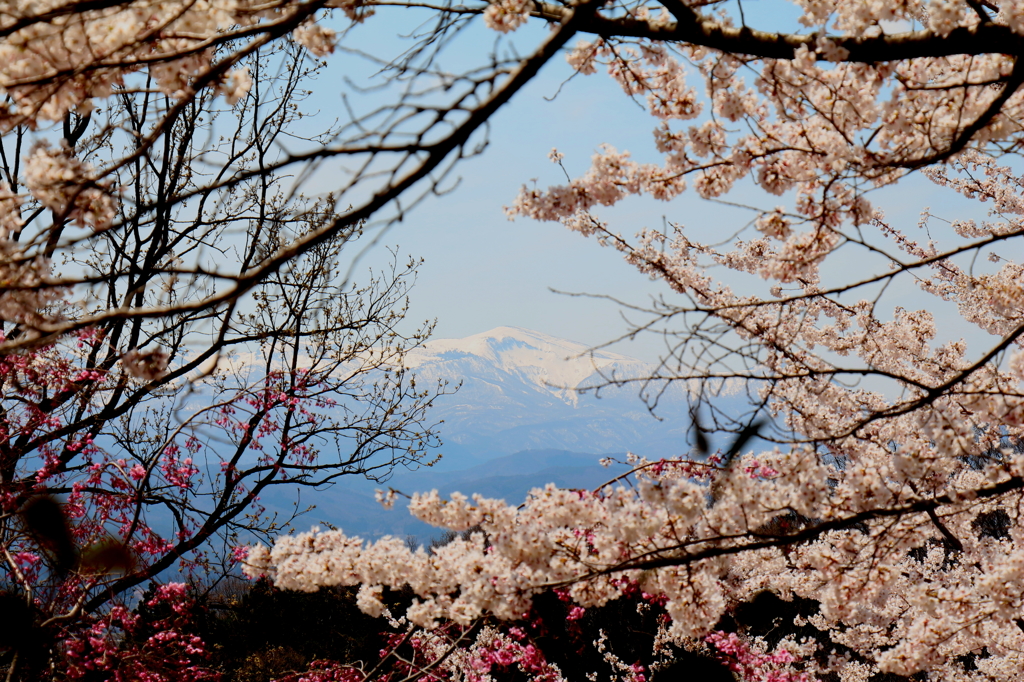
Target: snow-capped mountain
516,423
556,366
520,391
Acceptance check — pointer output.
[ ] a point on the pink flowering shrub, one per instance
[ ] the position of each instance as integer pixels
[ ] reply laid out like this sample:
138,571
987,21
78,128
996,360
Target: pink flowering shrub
752,665
153,644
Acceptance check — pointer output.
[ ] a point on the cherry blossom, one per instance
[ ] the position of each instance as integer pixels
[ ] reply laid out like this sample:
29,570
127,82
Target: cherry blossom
506,15
68,187
148,365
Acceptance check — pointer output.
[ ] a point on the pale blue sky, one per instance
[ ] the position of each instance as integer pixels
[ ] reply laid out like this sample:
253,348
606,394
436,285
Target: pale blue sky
483,271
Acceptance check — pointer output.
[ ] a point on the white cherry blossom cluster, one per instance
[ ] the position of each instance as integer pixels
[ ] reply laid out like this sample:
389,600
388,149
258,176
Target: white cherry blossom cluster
800,118
236,85
56,58
25,285
318,39
869,576
10,213
59,63
506,16
25,289
145,365
68,187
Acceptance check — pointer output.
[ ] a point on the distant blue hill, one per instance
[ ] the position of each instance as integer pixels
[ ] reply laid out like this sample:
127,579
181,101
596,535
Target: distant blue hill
350,505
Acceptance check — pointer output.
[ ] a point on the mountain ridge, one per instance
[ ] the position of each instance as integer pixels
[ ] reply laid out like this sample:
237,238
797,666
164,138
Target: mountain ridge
525,390
560,366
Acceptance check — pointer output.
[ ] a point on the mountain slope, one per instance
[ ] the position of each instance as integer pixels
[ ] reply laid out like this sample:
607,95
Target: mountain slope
520,391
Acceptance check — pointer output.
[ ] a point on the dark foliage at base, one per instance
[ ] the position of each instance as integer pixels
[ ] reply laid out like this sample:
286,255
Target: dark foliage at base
259,633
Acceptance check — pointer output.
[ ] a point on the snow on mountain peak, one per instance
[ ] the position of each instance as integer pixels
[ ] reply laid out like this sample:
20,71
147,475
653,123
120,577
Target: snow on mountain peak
555,364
